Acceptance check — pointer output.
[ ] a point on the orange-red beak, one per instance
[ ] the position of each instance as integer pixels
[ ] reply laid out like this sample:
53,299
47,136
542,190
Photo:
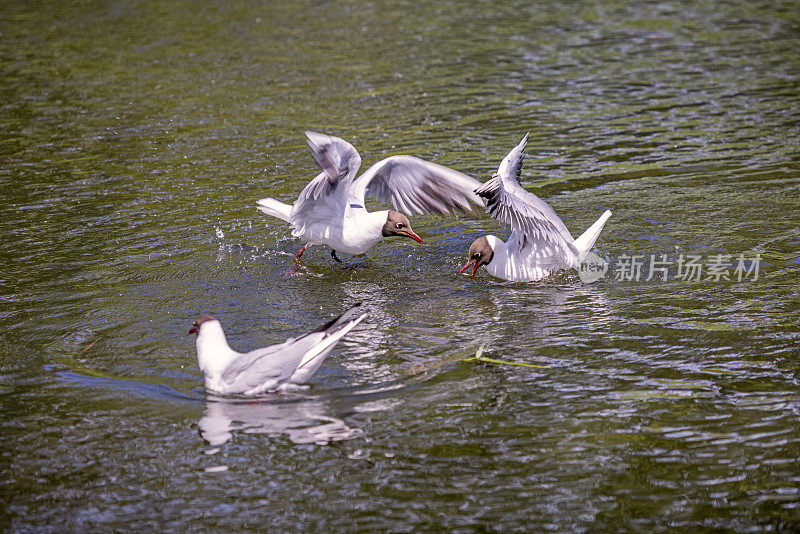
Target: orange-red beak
412,235
470,262
193,330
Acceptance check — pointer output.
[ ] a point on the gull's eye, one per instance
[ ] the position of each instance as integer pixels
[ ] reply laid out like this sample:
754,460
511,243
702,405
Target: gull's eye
400,225
476,255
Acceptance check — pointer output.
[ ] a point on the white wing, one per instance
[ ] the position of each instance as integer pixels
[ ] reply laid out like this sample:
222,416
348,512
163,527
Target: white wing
417,186
535,227
274,365
268,367
338,159
325,196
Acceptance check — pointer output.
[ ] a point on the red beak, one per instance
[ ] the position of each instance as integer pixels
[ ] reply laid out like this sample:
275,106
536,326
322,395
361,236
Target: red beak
193,330
412,235
464,268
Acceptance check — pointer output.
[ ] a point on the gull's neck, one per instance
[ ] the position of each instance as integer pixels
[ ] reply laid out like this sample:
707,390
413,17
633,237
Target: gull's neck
214,354
499,253
505,263
371,222
508,264
364,230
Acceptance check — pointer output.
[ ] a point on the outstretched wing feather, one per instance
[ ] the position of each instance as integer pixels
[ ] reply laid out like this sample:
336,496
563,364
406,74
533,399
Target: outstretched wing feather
533,222
327,192
414,185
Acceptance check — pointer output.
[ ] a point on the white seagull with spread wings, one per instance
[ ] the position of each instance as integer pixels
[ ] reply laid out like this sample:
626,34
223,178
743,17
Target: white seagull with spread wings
539,242
330,210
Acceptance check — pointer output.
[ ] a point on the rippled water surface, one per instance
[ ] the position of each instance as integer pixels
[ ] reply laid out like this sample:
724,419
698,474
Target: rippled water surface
135,138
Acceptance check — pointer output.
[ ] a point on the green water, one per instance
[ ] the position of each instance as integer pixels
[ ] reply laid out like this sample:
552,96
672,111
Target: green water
135,138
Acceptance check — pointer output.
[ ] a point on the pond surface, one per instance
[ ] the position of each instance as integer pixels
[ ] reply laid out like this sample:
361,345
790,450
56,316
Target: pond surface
135,138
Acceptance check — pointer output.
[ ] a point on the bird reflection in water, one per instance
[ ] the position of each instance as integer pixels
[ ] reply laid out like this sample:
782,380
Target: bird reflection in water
303,419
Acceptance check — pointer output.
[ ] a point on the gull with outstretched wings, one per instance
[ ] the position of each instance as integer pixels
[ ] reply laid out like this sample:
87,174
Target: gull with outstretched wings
539,242
330,210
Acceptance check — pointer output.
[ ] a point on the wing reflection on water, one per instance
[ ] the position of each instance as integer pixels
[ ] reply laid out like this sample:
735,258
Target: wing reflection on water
303,419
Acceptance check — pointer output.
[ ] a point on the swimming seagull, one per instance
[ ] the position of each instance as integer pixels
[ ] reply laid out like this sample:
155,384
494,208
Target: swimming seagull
539,242
330,210
269,368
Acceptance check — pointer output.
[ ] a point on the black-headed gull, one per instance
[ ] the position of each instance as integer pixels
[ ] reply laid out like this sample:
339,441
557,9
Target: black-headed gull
539,242
330,210
268,368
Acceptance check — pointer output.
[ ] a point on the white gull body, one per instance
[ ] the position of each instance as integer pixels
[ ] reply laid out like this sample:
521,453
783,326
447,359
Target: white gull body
330,210
293,362
539,242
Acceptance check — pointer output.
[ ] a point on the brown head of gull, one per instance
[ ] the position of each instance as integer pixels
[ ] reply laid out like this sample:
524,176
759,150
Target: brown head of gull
480,253
398,224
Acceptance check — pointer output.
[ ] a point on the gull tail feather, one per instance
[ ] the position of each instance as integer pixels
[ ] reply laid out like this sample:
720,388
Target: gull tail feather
585,242
273,207
334,331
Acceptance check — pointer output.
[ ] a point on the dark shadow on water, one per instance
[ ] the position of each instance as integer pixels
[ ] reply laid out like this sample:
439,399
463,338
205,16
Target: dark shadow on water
147,390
